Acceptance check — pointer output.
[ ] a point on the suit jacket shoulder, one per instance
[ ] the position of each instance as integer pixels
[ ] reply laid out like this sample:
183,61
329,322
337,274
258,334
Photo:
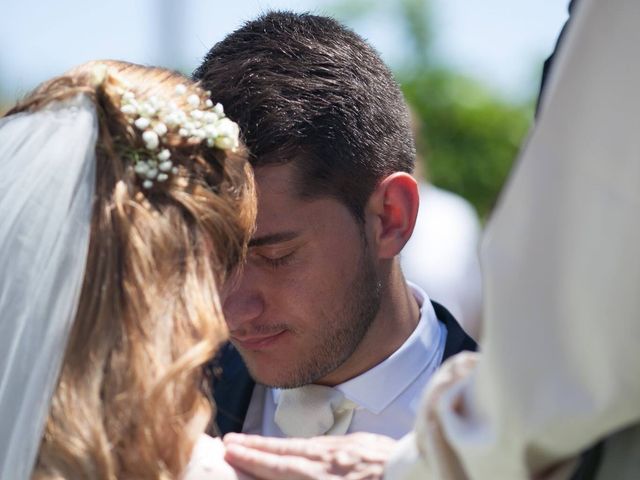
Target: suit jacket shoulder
457,339
232,388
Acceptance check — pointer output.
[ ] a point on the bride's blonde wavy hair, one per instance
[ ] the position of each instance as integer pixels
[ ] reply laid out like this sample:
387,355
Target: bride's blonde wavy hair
130,399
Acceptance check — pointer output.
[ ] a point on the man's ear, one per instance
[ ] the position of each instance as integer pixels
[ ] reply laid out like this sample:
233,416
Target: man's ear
391,211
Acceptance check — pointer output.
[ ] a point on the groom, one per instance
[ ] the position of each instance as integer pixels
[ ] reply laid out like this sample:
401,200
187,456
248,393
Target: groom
327,337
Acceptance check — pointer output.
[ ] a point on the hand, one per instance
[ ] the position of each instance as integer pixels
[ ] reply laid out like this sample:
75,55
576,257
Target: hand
207,462
359,456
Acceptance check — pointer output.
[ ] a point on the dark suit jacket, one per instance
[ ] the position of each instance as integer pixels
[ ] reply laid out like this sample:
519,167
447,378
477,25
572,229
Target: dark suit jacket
233,386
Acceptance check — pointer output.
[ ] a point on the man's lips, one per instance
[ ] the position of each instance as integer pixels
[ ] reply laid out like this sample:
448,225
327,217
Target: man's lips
256,342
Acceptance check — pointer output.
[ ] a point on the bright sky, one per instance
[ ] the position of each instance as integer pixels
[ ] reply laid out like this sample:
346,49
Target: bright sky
502,42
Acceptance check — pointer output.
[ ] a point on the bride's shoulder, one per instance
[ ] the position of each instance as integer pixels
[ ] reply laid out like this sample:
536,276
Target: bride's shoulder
207,461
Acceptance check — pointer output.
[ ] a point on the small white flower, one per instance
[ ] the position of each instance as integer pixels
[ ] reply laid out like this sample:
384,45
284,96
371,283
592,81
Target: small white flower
197,114
172,120
208,103
183,132
164,155
152,173
134,103
210,142
174,170
151,139
155,102
228,133
219,109
228,128
152,163
141,123
210,117
146,110
199,133
128,96
147,184
162,177
211,131
182,117
225,143
166,166
141,168
181,89
193,100
128,109
160,128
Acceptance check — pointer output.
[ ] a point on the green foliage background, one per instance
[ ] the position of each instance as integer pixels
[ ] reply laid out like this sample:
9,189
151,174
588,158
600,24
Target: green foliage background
468,136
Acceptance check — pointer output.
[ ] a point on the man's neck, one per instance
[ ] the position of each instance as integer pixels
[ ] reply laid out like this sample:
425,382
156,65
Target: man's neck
396,320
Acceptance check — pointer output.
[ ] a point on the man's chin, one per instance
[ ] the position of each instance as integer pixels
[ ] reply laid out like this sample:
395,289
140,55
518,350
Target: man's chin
282,374
263,368
268,379
286,364
273,374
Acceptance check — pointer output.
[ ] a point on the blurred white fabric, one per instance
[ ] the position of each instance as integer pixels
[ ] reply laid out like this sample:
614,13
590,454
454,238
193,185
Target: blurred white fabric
560,367
442,255
207,462
47,180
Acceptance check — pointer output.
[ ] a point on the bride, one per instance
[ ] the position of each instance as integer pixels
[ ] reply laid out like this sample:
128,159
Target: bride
126,201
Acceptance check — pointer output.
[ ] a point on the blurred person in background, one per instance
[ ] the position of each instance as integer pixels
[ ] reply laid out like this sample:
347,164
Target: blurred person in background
442,254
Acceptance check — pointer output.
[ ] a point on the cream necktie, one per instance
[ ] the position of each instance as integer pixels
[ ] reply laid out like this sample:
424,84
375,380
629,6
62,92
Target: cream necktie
313,410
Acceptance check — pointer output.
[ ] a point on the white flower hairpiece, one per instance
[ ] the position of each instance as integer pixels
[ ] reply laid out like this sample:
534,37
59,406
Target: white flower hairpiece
201,122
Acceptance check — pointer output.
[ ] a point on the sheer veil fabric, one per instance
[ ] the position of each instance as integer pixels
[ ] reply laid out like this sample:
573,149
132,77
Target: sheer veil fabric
47,182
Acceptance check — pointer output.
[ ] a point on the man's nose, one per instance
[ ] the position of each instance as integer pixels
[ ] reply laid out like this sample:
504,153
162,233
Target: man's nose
244,303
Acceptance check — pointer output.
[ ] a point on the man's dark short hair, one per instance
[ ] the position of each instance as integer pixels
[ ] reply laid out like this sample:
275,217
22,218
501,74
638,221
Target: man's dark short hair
305,89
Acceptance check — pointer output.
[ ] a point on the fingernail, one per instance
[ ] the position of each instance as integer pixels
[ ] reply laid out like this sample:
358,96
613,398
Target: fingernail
236,450
232,437
229,452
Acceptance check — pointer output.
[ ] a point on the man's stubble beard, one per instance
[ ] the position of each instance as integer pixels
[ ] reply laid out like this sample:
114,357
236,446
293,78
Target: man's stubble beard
346,330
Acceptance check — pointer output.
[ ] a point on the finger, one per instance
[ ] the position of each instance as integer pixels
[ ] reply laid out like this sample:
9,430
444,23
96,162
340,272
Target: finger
268,466
281,446
351,438
244,476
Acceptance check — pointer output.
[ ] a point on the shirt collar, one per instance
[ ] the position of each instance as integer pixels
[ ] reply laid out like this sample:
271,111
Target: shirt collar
375,389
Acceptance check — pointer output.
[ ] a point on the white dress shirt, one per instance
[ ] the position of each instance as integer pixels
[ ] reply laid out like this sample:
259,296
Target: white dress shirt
387,395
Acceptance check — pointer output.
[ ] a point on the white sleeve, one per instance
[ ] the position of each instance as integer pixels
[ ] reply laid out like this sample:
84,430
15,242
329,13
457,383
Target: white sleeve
561,261
406,462
207,461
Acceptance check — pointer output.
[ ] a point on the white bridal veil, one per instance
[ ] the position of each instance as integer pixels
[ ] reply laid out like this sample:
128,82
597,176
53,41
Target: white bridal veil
47,181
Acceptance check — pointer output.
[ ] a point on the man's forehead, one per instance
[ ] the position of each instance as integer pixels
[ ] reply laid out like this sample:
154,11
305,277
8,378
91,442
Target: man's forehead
283,213
279,212
279,179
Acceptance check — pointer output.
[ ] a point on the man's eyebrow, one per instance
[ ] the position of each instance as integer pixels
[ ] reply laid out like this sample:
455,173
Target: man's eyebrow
272,238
